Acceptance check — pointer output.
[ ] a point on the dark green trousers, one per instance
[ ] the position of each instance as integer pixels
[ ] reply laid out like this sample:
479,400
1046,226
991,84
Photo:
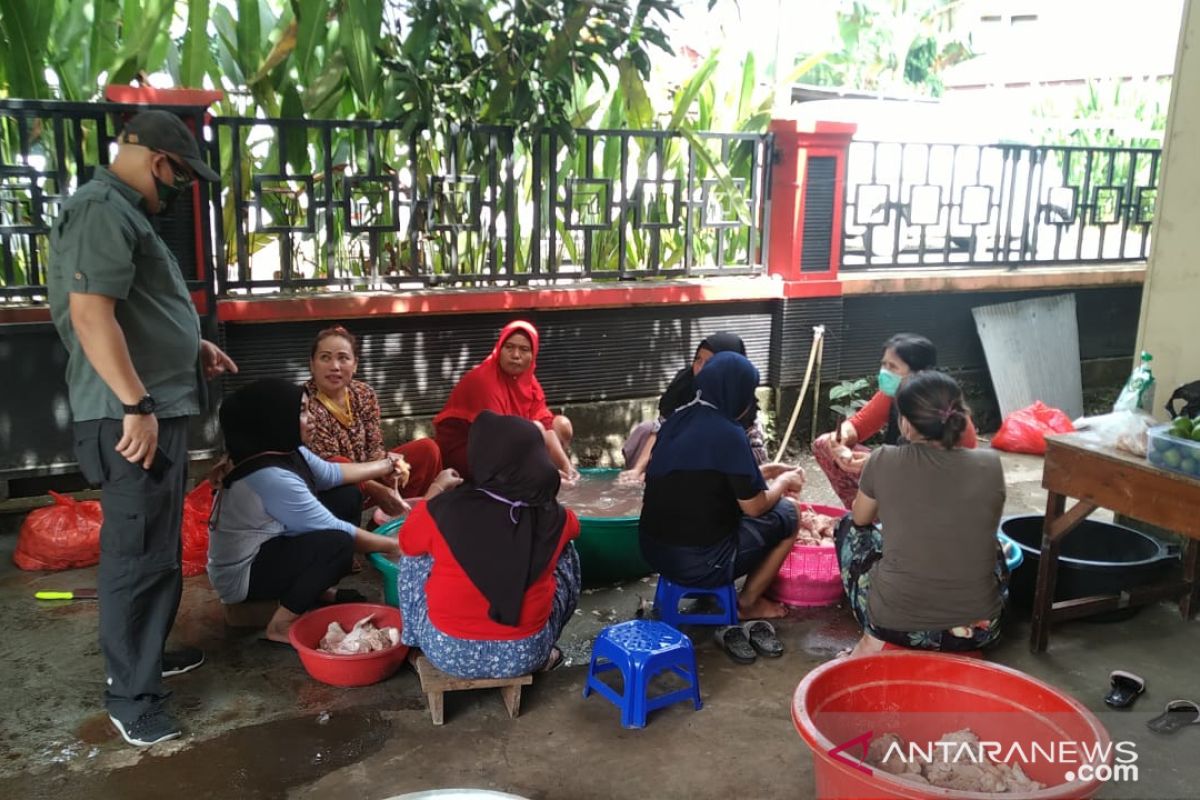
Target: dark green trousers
139,581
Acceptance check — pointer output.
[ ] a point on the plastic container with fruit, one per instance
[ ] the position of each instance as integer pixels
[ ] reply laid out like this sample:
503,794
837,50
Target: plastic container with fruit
1176,446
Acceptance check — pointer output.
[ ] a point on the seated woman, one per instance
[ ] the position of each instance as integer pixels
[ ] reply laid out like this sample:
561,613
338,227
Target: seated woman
490,576
680,391
503,383
934,577
840,454
708,516
344,415
269,537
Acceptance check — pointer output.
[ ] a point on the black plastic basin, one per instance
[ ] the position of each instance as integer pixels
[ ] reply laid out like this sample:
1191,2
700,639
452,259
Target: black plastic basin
1096,558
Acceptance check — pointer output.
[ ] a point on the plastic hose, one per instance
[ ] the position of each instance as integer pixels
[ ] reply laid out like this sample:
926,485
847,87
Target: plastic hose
818,345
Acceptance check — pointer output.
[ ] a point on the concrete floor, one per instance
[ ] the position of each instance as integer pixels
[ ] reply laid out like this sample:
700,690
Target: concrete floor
258,727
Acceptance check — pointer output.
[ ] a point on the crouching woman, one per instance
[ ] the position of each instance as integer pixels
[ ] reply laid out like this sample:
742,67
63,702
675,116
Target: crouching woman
489,575
934,576
270,538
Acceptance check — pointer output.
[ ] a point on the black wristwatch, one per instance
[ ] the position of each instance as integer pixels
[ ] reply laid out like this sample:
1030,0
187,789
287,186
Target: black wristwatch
143,407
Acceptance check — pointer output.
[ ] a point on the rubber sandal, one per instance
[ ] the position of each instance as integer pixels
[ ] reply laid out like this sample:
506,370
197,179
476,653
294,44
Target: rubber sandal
1177,715
763,639
1125,688
735,642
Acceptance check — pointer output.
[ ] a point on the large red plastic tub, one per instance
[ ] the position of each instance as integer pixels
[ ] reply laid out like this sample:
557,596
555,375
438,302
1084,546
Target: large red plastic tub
361,669
921,697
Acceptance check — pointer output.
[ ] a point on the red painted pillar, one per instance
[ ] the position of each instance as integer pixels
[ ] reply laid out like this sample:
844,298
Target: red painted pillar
808,188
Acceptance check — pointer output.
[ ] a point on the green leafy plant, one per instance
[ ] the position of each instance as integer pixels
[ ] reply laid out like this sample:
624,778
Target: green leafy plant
848,397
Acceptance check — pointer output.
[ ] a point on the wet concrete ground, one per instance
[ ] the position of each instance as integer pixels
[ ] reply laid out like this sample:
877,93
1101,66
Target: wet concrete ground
258,727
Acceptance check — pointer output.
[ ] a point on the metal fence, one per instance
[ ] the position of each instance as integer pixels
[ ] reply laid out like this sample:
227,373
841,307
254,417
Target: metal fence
47,149
350,204
952,205
308,205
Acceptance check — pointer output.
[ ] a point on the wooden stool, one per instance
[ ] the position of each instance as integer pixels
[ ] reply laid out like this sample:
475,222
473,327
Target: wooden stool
435,684
254,614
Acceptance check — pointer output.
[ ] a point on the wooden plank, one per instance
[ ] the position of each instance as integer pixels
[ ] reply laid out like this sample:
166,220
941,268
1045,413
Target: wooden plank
512,699
1043,595
1191,574
1067,522
1086,606
433,678
1128,485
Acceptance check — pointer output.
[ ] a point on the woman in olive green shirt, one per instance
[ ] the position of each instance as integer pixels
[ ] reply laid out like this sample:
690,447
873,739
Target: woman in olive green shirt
933,578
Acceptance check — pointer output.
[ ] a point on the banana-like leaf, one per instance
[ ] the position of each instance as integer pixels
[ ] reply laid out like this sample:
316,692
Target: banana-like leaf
282,49
249,37
639,112
25,26
683,102
195,57
142,46
748,80
312,16
360,27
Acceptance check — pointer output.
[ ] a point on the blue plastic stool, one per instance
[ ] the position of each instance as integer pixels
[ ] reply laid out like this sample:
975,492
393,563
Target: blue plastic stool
641,649
668,595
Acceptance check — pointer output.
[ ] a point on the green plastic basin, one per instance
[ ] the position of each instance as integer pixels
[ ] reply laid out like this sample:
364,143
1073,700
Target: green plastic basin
608,548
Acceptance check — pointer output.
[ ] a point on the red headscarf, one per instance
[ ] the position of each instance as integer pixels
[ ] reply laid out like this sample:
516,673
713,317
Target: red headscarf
489,387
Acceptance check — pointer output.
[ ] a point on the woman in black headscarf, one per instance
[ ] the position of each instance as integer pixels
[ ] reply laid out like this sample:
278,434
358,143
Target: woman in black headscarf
681,391
489,575
270,537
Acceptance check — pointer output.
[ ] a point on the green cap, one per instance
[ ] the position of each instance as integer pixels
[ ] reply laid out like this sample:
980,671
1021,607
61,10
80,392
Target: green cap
164,131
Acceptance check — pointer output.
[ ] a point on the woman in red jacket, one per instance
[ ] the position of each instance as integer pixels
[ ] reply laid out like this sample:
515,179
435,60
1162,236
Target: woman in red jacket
504,383
840,454
488,574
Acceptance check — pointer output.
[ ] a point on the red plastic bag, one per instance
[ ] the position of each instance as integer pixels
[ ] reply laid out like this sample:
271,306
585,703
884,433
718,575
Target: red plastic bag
65,535
196,510
1024,431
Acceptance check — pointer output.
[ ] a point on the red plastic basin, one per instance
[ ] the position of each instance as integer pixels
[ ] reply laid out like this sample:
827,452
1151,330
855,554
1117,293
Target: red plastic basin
361,669
921,697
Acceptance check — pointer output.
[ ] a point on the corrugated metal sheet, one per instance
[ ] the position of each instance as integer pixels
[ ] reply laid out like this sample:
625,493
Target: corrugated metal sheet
413,363
1032,349
795,335
1108,319
819,180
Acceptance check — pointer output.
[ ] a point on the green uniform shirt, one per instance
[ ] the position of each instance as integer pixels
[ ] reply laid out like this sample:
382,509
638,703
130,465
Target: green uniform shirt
103,243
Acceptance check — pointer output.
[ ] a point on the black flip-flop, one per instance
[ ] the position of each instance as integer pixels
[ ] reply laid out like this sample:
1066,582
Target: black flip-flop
762,638
735,642
1125,688
1177,715
554,661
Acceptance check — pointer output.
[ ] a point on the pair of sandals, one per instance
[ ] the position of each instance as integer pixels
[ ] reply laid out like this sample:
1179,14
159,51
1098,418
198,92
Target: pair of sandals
1124,689
746,642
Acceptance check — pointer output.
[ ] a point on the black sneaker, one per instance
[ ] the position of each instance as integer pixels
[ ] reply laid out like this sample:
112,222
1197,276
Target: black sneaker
150,728
177,662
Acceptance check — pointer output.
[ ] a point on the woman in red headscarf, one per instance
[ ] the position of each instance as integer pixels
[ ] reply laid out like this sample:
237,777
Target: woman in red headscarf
505,383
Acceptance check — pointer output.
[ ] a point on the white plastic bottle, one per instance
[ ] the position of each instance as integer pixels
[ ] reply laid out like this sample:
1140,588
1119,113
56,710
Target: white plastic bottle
1138,394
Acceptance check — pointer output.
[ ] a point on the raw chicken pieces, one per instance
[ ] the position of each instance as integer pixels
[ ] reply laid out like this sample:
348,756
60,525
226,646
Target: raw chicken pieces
816,529
364,637
954,765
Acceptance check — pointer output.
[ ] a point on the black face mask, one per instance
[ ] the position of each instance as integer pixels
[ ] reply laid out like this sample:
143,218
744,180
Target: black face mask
167,194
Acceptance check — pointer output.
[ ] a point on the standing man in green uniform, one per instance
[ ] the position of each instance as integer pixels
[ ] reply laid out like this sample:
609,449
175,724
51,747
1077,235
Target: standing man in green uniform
132,334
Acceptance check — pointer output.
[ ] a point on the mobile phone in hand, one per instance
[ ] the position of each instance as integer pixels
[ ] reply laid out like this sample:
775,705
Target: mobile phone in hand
160,465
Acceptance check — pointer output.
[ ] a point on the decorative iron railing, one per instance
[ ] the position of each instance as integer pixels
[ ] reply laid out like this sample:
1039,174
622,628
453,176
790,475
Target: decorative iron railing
309,205
956,205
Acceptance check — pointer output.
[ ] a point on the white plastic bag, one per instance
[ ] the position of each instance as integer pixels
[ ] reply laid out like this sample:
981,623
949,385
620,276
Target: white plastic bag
1124,430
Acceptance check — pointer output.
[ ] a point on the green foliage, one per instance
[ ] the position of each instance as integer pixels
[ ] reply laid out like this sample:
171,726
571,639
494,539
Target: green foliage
848,397
892,46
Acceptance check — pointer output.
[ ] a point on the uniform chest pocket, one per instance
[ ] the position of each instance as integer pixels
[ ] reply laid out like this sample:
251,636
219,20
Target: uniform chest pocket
157,267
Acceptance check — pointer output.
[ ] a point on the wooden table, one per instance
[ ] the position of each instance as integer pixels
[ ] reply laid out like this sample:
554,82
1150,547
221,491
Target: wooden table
1103,477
